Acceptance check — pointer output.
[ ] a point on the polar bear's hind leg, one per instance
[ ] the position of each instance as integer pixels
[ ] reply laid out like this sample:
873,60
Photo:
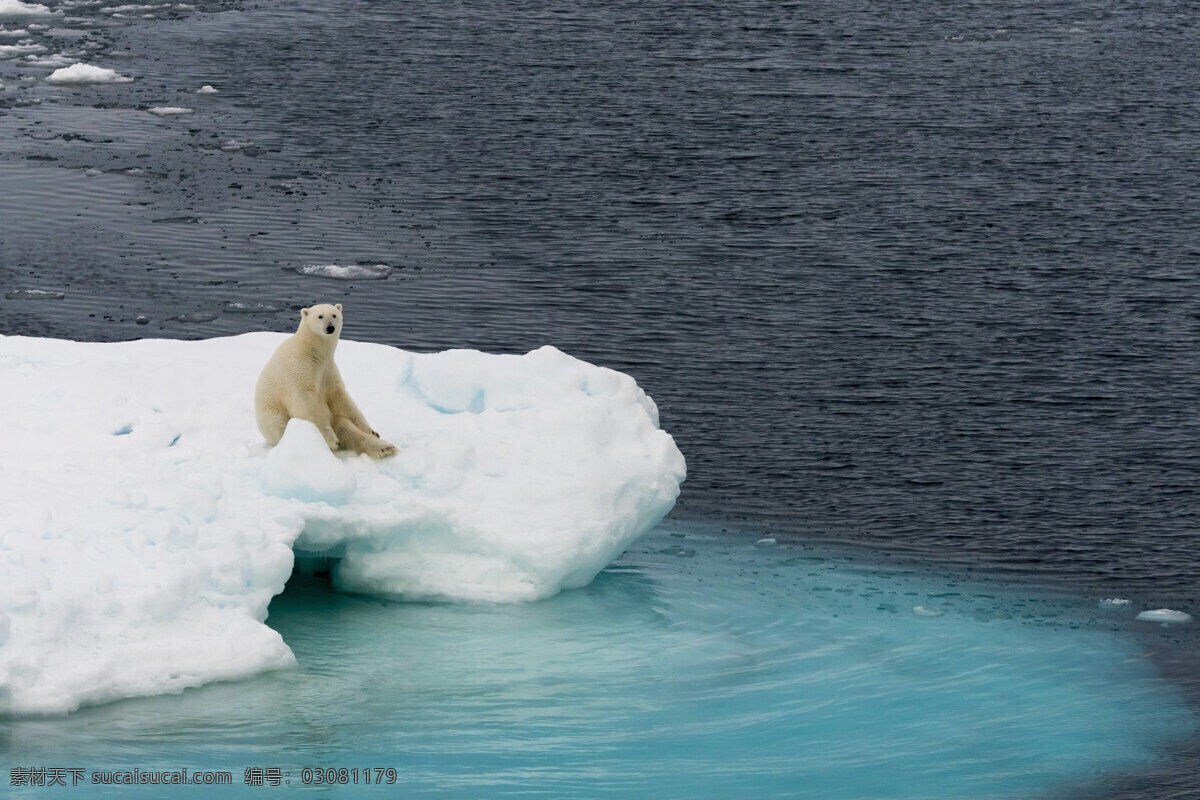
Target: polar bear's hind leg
355,438
272,422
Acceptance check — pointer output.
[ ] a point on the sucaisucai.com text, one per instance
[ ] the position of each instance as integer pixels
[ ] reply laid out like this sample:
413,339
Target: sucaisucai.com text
74,776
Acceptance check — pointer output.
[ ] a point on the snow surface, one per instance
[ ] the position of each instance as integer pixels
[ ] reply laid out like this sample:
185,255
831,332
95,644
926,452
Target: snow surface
85,73
302,467
148,526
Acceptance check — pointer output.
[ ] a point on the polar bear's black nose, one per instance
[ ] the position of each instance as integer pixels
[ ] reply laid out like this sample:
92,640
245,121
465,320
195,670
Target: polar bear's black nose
329,329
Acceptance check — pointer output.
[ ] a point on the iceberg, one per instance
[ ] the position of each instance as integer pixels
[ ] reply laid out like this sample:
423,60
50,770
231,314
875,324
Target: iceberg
148,525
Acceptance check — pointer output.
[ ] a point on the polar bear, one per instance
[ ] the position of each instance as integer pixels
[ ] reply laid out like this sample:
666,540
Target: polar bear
302,381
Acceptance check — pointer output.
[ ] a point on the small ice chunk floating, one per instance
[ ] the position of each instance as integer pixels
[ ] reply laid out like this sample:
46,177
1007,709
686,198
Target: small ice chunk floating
80,73
346,272
1165,615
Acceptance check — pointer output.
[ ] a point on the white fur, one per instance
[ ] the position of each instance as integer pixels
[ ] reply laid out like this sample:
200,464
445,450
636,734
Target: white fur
301,381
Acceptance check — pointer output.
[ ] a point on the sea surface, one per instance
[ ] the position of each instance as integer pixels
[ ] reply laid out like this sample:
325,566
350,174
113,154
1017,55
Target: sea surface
915,281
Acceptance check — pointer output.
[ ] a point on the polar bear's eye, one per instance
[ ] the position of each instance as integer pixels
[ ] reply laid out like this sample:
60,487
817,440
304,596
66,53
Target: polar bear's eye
320,316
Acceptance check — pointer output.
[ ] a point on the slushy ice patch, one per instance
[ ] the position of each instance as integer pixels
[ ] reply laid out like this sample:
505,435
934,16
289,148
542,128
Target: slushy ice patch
518,476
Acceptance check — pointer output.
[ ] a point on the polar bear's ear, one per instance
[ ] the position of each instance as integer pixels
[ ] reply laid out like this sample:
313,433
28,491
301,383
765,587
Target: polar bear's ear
338,306
303,313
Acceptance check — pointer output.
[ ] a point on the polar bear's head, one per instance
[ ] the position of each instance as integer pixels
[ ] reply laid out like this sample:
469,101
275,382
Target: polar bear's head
323,320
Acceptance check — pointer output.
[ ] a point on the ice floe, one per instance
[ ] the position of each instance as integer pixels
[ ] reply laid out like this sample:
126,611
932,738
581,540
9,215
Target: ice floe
147,524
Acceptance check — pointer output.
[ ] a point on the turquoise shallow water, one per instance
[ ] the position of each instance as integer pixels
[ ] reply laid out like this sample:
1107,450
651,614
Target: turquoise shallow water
698,665
914,274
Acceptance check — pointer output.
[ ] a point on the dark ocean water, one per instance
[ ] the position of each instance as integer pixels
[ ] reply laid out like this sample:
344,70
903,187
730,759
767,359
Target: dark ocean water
920,277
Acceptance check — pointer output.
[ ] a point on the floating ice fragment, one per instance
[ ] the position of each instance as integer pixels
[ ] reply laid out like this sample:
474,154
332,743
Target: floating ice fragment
13,50
197,316
15,9
92,172
253,308
206,89
170,111
55,60
85,73
234,144
1113,602
922,611
1164,615
347,272
34,294
767,542
301,467
127,9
